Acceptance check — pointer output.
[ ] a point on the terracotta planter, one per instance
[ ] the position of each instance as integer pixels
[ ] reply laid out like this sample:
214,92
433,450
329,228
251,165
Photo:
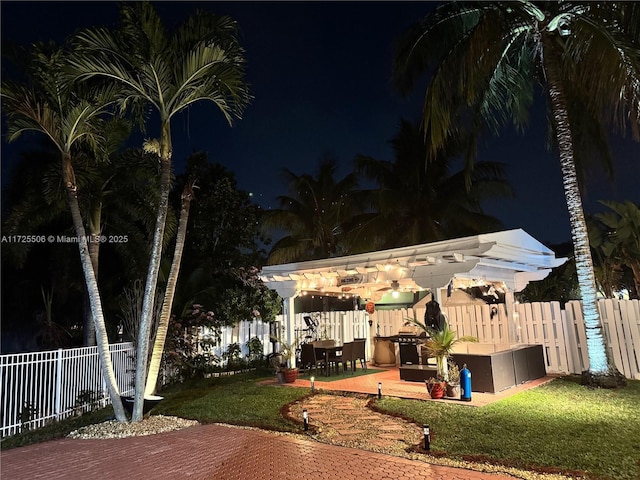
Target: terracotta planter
290,375
435,390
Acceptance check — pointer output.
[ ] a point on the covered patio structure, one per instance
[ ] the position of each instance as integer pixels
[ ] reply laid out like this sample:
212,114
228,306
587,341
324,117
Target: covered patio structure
495,264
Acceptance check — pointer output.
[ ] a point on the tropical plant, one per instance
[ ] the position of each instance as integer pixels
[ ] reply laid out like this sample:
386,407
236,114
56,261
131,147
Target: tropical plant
130,303
50,334
454,372
166,72
440,345
256,351
621,242
486,57
247,297
69,116
313,215
225,221
560,286
190,353
414,204
606,265
285,353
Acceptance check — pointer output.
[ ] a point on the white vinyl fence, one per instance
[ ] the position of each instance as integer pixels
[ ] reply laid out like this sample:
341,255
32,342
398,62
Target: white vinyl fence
560,332
341,326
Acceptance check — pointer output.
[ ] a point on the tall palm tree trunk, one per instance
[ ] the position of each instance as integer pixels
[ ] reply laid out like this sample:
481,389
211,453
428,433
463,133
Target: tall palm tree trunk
142,351
89,333
92,290
167,304
599,363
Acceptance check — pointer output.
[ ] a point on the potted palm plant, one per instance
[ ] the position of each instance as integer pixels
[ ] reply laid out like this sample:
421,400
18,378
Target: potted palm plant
440,343
283,361
440,346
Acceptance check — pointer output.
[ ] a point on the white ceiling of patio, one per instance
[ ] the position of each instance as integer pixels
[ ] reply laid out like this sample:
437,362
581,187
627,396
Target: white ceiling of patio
512,257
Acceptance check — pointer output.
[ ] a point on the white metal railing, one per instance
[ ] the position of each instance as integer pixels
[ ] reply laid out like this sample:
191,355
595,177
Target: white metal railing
40,387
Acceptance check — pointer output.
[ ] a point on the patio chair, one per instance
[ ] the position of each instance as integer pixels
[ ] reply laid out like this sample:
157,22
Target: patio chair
347,356
308,358
359,352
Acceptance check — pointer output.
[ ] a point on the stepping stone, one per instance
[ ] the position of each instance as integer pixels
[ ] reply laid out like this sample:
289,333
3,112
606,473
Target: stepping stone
349,432
389,428
380,443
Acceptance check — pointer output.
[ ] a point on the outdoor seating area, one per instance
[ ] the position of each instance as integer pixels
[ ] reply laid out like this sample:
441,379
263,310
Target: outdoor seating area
331,356
495,367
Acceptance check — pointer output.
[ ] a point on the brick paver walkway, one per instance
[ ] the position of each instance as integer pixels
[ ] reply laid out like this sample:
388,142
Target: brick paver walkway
214,452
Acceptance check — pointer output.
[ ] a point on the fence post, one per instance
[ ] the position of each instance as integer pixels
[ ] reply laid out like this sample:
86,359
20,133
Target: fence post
58,383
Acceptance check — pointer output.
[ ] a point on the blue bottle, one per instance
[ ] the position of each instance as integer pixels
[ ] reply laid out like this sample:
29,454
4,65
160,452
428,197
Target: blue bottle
465,384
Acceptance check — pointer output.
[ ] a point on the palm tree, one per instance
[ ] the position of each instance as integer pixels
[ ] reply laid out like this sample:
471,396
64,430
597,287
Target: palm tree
69,117
169,292
414,204
313,215
486,58
164,72
115,199
621,242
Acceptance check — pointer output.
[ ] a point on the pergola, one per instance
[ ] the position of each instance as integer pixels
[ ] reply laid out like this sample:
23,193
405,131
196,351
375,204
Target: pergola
510,259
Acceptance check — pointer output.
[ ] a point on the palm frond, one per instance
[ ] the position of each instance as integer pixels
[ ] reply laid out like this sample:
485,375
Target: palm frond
200,61
613,87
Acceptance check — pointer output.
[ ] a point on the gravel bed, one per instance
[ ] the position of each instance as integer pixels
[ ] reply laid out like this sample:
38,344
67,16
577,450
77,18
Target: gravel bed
148,426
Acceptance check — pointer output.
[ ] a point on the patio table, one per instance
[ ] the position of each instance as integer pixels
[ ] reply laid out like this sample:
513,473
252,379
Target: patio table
327,353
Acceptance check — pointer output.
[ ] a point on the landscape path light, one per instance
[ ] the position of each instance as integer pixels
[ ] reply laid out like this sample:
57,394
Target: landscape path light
427,437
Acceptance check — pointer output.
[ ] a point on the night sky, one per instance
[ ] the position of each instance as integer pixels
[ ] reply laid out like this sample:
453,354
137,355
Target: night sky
320,74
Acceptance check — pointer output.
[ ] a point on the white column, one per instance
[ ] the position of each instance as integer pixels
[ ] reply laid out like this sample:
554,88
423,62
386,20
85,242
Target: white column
288,314
509,300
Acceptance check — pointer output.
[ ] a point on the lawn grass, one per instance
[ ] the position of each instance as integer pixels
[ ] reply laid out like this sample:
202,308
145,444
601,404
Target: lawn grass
561,425
237,400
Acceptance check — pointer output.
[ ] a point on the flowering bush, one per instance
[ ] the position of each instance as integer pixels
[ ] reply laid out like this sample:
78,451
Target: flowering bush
244,297
188,353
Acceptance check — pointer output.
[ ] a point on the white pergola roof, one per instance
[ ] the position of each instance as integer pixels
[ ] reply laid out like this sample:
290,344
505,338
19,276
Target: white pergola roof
513,257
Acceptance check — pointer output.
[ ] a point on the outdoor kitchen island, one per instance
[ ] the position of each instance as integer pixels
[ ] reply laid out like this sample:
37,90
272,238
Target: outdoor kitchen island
493,368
